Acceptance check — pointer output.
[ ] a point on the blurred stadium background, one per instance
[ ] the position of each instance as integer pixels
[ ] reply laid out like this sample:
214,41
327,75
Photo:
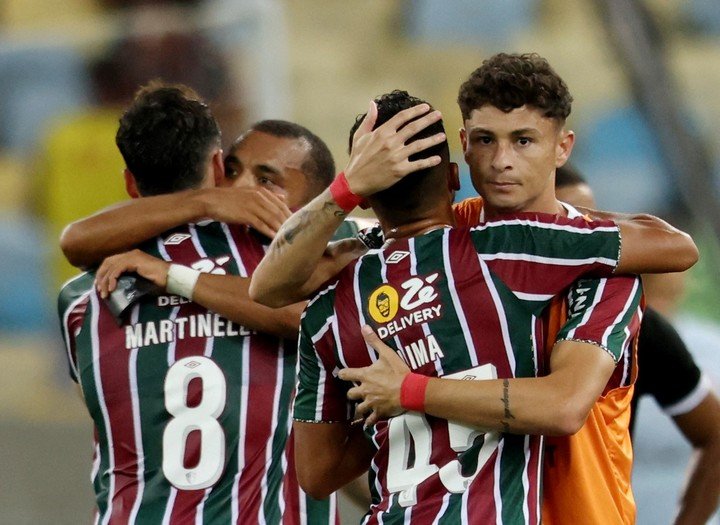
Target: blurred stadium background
644,76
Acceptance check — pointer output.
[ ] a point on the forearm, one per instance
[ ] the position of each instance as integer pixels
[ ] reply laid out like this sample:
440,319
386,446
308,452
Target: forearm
296,251
228,296
649,244
518,406
329,455
702,492
88,241
701,427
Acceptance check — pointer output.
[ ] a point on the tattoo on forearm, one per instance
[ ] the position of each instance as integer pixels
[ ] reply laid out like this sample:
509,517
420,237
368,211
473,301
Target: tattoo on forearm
506,404
304,221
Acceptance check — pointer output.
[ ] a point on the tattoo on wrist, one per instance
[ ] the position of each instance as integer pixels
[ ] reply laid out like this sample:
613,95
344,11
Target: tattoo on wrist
332,206
506,404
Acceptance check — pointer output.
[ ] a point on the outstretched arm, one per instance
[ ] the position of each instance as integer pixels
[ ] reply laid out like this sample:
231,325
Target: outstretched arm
649,244
379,158
224,294
88,241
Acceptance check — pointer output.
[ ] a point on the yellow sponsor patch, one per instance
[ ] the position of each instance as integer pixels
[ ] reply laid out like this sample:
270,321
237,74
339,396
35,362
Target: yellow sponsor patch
383,304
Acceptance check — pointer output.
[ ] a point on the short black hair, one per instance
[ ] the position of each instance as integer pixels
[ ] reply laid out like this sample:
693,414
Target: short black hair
165,137
408,192
567,175
319,164
509,81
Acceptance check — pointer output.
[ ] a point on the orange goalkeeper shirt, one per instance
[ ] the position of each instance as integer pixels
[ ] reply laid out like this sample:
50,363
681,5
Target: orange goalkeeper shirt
586,476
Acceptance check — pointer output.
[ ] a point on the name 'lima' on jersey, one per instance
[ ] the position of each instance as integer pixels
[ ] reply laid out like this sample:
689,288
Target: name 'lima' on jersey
458,303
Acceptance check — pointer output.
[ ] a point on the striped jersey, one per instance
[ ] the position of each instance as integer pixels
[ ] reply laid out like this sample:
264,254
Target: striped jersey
454,303
586,477
191,411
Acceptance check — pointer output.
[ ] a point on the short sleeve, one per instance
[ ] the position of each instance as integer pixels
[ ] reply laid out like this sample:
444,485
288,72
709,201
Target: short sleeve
321,396
604,312
667,369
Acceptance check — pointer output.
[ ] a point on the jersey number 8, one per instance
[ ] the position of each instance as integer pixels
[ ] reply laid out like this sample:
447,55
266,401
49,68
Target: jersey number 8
202,417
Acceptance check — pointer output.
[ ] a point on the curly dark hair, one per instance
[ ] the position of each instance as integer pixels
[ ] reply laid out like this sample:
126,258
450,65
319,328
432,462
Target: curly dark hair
509,81
165,137
408,192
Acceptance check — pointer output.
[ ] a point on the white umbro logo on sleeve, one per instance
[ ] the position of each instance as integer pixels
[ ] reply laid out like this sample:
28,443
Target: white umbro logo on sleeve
396,257
176,238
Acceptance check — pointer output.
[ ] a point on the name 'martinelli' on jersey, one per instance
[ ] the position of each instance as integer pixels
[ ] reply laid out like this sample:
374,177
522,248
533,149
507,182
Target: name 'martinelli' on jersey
162,331
415,298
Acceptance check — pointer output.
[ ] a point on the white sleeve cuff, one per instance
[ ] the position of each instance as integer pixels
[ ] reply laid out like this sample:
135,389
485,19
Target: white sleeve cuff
692,400
181,280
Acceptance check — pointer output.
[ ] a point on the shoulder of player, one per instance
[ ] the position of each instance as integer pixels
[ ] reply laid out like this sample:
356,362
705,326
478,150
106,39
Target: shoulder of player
75,288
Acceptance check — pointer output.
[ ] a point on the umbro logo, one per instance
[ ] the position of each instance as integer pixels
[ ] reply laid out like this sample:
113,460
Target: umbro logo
396,257
176,238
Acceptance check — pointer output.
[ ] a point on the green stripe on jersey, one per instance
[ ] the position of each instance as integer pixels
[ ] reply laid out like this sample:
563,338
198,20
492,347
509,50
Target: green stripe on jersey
534,239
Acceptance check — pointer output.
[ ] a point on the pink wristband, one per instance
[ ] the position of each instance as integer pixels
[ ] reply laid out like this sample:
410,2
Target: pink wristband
412,392
343,195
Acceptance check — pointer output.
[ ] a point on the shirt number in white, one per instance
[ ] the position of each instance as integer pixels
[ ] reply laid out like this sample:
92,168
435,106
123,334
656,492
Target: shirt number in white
202,417
412,428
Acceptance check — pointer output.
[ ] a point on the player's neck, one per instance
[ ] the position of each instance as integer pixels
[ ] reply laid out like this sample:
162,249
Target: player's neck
440,218
552,207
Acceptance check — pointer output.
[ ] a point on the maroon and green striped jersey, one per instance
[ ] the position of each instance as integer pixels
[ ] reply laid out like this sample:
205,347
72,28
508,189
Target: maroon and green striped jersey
191,411
459,303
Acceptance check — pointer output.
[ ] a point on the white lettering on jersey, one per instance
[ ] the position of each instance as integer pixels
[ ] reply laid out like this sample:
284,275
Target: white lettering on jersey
165,331
421,352
404,321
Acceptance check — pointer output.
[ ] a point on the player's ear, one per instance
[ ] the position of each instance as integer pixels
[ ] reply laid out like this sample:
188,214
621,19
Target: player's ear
453,176
463,139
218,167
130,184
564,147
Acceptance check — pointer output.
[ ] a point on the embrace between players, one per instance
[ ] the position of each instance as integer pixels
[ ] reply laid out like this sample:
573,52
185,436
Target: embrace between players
437,360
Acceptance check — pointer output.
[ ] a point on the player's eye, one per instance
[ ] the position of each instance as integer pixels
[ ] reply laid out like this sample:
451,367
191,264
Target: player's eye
482,139
524,141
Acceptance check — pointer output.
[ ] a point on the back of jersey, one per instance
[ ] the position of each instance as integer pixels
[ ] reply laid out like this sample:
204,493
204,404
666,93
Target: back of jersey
191,410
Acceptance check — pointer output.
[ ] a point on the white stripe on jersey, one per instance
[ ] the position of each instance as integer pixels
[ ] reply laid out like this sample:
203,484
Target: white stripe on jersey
273,431
358,304
456,300
525,480
622,313
320,399
172,344
500,309
555,261
244,391
425,326
137,425
169,506
496,483
545,226
317,296
445,503
336,336
533,296
96,463
589,311
201,507
94,301
242,271
66,330
196,241
533,341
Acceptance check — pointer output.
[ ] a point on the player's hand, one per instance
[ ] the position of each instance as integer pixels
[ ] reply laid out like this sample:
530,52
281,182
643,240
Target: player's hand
379,157
377,385
258,208
134,261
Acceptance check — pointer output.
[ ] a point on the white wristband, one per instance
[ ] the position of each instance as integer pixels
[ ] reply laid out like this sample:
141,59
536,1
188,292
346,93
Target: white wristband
181,280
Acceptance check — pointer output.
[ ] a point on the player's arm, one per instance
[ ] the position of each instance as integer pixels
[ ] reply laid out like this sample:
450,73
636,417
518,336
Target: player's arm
649,244
379,158
701,427
86,242
670,374
329,455
556,404
224,294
